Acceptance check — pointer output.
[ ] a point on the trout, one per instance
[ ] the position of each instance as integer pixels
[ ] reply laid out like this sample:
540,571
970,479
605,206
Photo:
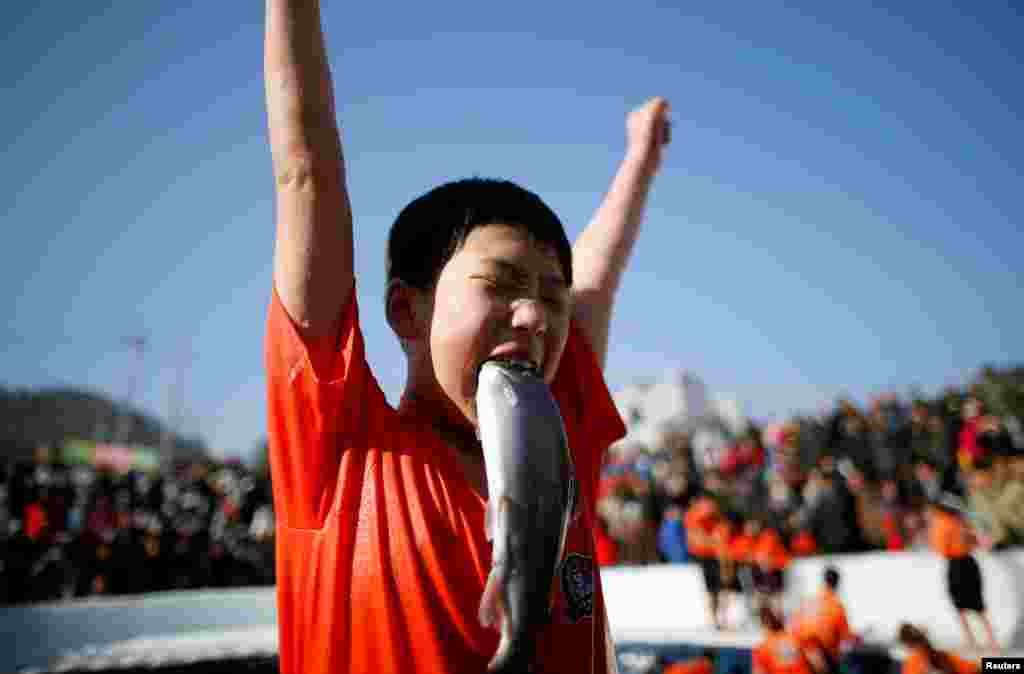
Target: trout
531,493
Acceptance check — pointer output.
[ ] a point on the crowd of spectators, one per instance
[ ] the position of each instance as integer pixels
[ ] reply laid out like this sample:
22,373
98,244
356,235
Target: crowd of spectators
79,531
849,480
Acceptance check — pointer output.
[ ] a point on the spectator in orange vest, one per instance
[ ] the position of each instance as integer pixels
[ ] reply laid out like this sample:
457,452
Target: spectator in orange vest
780,652
771,559
923,658
950,536
723,534
741,553
821,624
700,520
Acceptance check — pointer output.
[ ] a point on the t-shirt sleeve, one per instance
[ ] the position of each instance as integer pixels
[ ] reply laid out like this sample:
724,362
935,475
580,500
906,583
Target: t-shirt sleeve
592,421
318,391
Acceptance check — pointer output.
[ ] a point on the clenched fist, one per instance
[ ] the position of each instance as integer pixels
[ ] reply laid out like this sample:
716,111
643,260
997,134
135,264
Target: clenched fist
648,130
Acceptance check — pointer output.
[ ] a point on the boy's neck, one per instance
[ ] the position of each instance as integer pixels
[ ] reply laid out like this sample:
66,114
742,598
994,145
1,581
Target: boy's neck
459,434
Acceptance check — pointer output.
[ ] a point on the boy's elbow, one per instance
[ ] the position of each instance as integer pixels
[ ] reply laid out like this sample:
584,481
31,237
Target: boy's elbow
304,170
294,173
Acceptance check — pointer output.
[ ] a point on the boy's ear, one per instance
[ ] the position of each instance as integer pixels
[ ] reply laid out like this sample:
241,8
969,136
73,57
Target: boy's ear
405,311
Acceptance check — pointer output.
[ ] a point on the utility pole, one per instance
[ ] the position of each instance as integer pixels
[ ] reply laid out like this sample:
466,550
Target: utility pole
176,409
138,344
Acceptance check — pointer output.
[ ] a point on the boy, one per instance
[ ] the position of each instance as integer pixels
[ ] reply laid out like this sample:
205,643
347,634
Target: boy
821,625
382,555
779,652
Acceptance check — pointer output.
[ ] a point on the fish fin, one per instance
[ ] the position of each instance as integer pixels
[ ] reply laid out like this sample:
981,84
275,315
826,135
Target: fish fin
492,610
490,518
502,662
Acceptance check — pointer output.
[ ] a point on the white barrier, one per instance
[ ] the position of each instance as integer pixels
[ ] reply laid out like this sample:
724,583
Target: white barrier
33,636
880,590
653,604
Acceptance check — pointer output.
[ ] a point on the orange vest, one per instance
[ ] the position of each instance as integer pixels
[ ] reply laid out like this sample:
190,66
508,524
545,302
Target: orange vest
780,653
701,518
769,551
949,535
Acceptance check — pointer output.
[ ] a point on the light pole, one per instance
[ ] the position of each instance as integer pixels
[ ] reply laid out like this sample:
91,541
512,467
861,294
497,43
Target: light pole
138,344
176,403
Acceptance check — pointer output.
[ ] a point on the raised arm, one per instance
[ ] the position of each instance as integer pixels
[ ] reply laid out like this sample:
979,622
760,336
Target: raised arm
313,248
601,251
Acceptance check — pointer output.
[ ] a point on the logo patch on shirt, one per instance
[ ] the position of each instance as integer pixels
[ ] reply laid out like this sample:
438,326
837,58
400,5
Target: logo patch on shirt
578,586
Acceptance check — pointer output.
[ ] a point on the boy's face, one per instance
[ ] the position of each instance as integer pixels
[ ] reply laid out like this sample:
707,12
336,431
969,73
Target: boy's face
500,295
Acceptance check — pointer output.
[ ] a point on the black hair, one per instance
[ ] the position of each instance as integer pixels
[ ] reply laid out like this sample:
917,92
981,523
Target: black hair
913,637
431,229
831,577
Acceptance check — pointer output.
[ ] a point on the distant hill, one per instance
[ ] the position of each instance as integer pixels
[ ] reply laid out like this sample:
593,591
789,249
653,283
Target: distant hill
30,418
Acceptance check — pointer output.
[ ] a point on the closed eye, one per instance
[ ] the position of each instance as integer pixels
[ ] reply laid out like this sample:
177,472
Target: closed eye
557,302
509,288
501,285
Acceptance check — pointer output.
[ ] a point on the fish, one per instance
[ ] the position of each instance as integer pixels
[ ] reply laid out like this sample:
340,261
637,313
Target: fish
531,496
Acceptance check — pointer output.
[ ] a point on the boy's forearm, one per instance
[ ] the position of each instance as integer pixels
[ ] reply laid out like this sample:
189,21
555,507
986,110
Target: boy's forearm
300,102
313,251
601,251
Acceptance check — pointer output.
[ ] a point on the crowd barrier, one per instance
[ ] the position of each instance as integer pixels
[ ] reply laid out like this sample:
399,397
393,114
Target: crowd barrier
667,603
651,604
160,628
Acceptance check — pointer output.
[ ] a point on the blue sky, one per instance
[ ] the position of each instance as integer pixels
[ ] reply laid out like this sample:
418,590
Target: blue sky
841,208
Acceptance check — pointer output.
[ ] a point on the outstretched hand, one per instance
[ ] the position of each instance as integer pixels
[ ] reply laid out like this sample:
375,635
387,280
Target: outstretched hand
648,130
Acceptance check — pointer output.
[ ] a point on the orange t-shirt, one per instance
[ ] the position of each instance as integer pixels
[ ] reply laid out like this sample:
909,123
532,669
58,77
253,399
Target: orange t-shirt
949,535
381,550
779,653
701,518
741,547
823,622
696,666
770,552
917,663
723,535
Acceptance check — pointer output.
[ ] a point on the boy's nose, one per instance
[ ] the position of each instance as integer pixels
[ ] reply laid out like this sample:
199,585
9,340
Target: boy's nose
531,315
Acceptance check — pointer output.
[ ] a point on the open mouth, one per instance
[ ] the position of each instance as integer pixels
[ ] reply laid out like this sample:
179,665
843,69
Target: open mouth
514,363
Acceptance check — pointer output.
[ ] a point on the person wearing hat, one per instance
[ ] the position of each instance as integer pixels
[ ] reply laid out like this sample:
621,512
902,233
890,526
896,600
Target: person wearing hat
951,536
